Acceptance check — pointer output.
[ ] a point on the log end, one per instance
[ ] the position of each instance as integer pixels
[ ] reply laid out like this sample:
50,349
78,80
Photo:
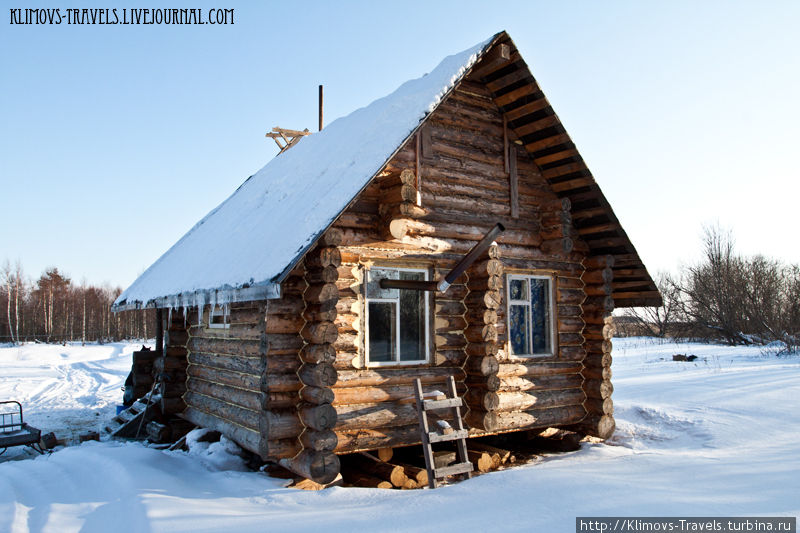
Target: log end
322,467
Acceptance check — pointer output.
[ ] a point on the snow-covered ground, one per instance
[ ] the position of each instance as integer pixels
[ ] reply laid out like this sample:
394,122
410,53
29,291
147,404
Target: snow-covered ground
714,437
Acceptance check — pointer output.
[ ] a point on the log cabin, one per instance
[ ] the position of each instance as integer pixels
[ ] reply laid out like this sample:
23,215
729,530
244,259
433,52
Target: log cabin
278,330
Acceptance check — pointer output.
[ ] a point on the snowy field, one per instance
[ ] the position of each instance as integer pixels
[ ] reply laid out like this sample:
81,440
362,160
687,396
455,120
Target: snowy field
718,436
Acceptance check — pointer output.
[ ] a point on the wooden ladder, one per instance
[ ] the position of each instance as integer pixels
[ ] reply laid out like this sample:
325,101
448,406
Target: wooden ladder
454,403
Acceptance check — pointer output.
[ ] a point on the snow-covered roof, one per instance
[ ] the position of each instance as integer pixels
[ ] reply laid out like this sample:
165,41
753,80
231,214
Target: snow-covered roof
244,247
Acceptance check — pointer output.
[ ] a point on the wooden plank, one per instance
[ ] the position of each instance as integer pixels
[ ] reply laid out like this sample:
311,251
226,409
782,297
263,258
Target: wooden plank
563,170
573,184
513,180
598,228
452,470
537,125
430,405
519,74
555,140
436,437
515,95
527,109
558,156
424,433
495,59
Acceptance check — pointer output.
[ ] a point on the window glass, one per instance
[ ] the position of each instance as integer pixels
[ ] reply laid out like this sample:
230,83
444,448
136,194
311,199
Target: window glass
373,284
397,324
412,320
518,326
530,315
382,321
540,313
518,289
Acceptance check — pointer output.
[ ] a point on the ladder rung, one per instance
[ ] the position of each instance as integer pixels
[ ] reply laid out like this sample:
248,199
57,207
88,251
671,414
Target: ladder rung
430,405
458,468
455,435
127,415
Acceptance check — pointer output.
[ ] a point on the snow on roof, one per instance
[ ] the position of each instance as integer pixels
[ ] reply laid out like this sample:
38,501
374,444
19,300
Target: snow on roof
242,249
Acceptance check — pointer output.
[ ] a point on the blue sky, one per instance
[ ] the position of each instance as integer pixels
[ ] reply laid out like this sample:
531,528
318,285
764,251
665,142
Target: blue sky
115,140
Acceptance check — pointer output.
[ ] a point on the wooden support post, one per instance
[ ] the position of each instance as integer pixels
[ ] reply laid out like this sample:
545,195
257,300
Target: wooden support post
320,108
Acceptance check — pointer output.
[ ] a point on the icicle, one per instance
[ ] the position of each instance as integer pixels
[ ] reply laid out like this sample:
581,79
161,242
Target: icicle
200,303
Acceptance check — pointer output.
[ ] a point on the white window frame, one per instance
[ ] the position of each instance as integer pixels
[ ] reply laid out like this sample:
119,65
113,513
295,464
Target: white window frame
551,312
426,333
219,310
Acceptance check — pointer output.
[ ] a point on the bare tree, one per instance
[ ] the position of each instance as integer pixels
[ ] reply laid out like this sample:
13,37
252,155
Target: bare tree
713,290
7,280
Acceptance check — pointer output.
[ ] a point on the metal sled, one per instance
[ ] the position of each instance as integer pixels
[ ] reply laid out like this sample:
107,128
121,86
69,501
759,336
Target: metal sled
14,431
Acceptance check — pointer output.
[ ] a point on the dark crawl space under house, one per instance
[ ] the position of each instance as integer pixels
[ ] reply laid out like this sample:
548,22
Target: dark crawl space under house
279,333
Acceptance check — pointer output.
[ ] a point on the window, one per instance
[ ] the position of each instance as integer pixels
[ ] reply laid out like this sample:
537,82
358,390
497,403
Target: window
530,315
219,317
397,320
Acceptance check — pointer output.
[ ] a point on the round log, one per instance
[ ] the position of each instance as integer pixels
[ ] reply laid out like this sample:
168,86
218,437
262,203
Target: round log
323,256
485,333
395,474
597,360
485,420
352,440
328,274
598,290
599,262
603,373
318,353
317,395
319,441
599,407
320,332
318,417
597,388
485,268
396,376
331,237
534,368
490,382
385,454
483,300
540,418
600,276
540,383
322,293
482,366
597,426
483,400
481,349
319,466
482,316
317,375
383,393
521,401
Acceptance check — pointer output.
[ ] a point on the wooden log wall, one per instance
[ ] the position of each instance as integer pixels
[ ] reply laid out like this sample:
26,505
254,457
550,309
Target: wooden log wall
463,187
170,368
485,290
317,357
598,278
225,366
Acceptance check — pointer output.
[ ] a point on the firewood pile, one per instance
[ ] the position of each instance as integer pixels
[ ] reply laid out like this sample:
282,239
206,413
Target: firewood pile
404,468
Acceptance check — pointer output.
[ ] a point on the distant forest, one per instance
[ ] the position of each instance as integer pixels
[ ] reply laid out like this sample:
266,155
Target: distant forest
54,308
